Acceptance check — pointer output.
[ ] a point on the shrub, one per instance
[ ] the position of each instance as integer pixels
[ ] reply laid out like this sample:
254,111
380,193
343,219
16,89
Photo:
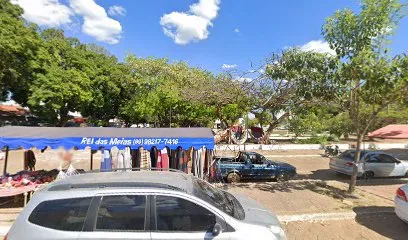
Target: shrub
313,140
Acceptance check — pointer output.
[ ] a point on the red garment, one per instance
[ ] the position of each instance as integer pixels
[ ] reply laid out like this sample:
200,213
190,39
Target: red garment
164,159
159,160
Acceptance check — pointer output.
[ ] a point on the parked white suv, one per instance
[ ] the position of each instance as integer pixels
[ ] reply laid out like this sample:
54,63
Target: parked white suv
141,205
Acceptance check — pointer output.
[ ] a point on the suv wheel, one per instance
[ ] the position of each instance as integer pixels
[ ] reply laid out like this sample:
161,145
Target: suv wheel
233,177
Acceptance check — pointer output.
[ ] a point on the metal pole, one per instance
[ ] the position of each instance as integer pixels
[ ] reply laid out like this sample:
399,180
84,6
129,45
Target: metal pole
91,167
5,161
246,130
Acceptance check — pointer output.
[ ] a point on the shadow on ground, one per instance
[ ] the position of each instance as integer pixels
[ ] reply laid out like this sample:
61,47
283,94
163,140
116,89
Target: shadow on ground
383,221
329,175
319,187
12,202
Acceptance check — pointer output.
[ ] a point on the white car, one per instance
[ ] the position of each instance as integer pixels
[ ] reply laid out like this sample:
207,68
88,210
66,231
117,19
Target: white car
401,203
372,164
142,205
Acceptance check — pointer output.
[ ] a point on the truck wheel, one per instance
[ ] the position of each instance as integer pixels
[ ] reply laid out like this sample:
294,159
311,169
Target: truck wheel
282,177
233,177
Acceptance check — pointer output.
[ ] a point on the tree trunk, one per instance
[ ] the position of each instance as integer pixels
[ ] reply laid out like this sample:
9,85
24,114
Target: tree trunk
272,126
357,154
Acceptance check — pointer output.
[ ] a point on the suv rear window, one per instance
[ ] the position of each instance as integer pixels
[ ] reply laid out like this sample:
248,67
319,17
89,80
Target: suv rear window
122,213
63,214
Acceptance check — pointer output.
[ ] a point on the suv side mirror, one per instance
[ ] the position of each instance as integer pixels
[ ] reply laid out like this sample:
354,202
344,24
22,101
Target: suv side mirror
217,229
397,161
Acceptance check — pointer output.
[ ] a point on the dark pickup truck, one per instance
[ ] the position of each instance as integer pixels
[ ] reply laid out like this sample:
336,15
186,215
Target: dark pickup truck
252,165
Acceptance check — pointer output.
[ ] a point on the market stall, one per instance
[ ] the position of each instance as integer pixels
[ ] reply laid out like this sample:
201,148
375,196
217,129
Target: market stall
186,149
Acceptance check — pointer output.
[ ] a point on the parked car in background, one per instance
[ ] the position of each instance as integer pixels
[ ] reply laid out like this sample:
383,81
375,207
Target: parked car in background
141,205
372,164
252,165
401,203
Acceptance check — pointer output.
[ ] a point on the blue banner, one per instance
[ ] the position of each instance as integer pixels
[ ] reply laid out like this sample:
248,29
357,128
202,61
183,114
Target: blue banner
107,142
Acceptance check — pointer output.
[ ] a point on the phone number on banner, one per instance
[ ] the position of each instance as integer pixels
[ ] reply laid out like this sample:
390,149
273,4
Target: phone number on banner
156,141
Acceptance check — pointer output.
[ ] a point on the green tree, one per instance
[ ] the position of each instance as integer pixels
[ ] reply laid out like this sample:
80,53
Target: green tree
293,80
159,93
65,84
367,77
18,52
340,125
108,80
306,123
230,113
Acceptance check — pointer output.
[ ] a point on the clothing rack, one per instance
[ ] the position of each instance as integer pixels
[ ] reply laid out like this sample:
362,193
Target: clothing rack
197,161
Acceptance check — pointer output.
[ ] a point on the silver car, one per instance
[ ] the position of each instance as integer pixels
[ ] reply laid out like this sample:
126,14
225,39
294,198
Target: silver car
141,205
372,164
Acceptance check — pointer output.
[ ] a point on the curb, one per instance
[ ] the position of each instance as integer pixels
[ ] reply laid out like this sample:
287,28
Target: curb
328,216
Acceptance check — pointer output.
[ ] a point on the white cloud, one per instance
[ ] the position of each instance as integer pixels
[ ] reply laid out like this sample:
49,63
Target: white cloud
192,26
318,46
236,30
96,21
244,79
116,10
229,66
53,13
50,13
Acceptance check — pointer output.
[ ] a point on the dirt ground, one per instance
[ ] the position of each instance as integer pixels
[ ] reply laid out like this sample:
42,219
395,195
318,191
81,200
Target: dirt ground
385,226
315,189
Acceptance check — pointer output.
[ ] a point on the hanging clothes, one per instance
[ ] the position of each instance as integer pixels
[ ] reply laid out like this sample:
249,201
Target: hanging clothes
202,167
164,158
181,161
172,158
187,160
114,153
125,159
121,159
207,165
212,165
193,164
106,162
145,162
153,156
159,160
198,167
135,158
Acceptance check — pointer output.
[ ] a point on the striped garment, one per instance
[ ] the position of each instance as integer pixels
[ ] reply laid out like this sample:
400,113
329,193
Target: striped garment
145,162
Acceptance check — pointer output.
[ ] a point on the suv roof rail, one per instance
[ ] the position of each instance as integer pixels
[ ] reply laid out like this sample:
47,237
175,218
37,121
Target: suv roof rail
68,186
136,169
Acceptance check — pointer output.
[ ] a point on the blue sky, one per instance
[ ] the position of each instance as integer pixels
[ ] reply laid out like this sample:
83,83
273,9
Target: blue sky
232,32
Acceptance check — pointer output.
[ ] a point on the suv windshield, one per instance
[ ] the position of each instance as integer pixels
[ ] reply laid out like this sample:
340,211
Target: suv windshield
222,200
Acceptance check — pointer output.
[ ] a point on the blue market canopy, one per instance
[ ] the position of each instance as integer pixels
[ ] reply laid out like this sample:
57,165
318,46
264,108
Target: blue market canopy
95,137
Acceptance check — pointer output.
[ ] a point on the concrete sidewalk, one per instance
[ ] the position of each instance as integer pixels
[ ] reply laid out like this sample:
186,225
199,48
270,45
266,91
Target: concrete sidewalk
334,216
